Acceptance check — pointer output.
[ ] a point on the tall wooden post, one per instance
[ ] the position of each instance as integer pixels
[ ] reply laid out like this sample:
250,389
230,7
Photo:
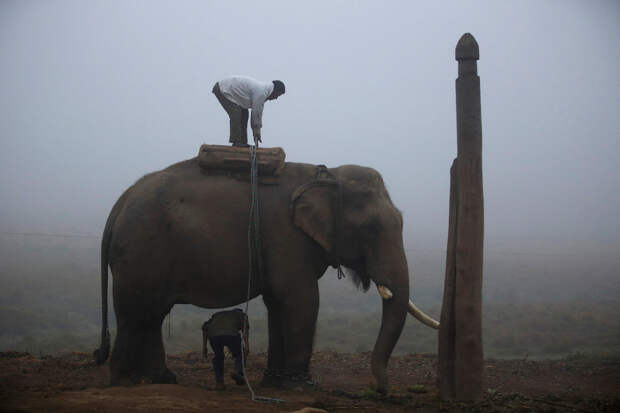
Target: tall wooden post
460,334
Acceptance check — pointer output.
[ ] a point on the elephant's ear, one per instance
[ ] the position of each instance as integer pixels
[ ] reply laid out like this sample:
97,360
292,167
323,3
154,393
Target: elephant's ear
312,207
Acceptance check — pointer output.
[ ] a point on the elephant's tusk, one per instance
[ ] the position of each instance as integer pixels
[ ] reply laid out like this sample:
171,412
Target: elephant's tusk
423,318
386,294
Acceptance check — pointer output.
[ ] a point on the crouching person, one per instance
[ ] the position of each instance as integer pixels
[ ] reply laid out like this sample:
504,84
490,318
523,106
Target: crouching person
223,330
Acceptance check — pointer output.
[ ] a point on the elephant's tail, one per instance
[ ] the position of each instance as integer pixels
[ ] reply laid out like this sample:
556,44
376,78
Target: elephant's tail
102,353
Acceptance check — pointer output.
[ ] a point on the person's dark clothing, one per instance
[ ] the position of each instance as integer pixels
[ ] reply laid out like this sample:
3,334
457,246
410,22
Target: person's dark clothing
238,117
222,330
234,346
226,323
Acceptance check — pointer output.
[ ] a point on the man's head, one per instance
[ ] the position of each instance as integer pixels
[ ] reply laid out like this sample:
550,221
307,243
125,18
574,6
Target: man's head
278,89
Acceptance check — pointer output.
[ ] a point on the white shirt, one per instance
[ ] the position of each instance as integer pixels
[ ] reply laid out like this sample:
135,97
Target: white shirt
249,94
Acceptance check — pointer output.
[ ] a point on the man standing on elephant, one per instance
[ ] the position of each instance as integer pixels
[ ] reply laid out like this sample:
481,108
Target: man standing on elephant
237,94
222,330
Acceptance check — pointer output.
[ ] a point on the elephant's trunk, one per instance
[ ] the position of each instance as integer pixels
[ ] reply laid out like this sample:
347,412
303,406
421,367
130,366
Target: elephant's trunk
392,322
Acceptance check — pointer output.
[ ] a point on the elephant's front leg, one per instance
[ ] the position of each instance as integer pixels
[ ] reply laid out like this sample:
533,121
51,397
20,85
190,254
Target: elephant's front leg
275,353
300,310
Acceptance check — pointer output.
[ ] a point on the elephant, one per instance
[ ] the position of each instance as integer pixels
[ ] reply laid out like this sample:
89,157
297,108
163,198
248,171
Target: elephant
180,236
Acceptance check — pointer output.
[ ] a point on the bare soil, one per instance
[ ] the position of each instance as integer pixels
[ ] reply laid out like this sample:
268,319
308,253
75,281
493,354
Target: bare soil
73,383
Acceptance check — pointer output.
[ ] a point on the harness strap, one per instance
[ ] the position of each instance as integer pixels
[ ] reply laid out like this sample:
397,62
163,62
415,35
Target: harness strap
322,172
325,178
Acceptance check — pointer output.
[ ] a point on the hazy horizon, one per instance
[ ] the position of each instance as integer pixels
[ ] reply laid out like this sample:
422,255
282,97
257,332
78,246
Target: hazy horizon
96,94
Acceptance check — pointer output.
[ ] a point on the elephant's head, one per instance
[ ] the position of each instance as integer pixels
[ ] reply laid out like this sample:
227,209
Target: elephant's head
350,214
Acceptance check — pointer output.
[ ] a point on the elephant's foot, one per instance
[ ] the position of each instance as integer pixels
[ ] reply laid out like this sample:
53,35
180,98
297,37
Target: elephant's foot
300,385
123,380
167,377
272,378
124,377
294,380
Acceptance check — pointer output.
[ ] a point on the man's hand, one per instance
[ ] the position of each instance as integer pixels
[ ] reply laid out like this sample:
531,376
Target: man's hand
257,138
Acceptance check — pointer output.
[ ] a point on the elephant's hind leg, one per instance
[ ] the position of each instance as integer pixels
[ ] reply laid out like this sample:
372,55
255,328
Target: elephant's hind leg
138,354
154,357
124,362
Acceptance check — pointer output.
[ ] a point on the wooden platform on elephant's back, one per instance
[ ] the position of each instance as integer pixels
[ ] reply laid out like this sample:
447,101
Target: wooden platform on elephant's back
270,161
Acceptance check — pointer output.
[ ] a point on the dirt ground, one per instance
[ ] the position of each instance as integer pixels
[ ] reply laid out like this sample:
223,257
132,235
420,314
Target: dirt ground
73,383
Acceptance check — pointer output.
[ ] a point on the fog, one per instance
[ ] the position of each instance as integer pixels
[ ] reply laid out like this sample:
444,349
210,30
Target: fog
93,95
96,94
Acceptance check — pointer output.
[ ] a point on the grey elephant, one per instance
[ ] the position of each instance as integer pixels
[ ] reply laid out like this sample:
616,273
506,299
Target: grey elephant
180,236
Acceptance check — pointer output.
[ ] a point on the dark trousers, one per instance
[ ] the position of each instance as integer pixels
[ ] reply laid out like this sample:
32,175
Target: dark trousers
238,117
234,345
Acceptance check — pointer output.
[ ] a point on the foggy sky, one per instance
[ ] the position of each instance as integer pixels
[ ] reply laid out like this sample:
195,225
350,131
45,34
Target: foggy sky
95,94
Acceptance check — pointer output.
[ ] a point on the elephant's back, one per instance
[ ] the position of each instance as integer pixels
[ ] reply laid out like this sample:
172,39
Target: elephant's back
185,197
158,196
185,184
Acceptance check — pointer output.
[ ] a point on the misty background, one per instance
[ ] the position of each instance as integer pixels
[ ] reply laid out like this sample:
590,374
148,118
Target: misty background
93,95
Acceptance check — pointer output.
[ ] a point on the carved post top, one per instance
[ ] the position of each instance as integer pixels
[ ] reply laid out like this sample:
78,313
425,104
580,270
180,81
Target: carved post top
467,54
467,48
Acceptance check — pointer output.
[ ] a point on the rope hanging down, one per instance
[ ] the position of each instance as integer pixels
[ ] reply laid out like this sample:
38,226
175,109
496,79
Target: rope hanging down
254,251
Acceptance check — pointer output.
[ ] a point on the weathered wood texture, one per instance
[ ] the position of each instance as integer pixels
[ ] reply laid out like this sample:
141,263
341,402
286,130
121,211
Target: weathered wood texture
270,160
460,344
447,323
